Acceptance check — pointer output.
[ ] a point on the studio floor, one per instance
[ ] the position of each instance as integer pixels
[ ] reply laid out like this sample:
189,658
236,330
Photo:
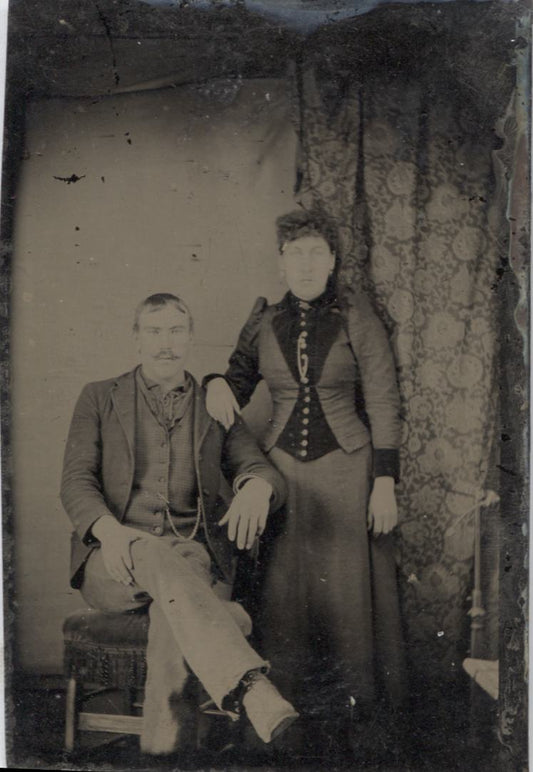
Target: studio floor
435,743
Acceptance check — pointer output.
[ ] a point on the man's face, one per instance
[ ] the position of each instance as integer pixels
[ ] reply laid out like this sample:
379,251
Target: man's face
307,263
164,339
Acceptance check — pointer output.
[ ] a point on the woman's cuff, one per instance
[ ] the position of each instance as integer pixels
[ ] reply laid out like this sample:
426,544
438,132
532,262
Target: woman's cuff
387,463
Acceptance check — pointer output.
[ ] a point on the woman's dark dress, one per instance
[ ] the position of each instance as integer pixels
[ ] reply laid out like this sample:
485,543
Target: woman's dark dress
329,617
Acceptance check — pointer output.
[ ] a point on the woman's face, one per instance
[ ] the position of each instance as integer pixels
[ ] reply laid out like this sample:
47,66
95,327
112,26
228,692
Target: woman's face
306,264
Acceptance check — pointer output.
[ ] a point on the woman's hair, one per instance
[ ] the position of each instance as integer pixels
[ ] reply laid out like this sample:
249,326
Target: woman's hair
159,300
300,223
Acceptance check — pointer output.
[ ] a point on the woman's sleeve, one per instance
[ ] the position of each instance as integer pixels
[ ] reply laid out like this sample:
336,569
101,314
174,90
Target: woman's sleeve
243,375
374,356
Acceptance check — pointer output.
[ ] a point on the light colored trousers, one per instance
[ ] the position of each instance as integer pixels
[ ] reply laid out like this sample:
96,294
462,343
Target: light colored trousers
191,629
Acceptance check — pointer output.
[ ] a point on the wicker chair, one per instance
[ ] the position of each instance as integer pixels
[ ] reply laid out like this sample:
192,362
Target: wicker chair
106,652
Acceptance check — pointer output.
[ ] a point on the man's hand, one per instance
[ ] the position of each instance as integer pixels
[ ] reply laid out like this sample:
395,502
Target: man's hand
247,515
382,508
116,541
221,403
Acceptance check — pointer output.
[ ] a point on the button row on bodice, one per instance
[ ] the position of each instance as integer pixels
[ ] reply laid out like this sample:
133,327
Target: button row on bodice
306,399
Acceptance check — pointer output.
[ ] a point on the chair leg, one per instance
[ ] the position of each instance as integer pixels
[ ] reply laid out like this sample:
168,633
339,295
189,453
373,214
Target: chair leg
71,715
201,730
132,701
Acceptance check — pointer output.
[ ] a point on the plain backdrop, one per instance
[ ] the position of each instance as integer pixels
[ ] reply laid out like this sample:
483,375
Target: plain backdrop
175,191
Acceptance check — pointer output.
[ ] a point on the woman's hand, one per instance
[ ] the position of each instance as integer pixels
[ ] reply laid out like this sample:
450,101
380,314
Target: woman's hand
382,508
221,403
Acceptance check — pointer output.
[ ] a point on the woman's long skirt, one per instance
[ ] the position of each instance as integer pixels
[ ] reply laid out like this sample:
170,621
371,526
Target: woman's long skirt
329,619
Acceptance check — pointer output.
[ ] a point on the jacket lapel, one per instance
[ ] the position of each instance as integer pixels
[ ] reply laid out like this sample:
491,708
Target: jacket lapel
201,423
285,327
328,326
324,329
123,400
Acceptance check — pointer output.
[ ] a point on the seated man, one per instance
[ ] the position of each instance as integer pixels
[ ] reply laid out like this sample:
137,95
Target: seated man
141,479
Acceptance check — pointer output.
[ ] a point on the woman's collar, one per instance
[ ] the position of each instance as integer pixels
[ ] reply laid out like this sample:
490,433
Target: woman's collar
327,298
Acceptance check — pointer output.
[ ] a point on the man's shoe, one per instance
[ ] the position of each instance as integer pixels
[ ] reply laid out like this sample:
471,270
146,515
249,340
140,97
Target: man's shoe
268,712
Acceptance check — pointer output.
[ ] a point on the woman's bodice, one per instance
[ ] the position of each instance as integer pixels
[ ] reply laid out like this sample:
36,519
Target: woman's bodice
329,395
349,363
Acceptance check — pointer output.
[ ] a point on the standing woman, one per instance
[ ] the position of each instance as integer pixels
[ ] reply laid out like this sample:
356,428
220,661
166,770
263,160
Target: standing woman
329,616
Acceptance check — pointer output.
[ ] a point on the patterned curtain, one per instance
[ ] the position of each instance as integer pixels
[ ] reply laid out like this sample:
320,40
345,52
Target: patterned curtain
405,166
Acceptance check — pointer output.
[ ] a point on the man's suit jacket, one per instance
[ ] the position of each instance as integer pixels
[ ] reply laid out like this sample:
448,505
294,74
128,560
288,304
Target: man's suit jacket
99,458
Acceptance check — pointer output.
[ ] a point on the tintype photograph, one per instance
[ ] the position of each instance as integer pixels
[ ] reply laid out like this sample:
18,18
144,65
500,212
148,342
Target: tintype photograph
265,270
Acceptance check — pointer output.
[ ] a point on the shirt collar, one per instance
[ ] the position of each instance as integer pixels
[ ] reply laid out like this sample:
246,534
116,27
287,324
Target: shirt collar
150,384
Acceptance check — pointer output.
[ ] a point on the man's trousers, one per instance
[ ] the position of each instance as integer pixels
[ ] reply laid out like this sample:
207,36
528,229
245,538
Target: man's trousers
191,629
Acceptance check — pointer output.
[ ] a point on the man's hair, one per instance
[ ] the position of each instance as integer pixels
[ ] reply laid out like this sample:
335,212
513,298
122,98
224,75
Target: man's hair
300,223
159,300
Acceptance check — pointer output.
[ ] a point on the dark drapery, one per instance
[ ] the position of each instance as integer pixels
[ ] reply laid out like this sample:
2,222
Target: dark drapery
403,158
